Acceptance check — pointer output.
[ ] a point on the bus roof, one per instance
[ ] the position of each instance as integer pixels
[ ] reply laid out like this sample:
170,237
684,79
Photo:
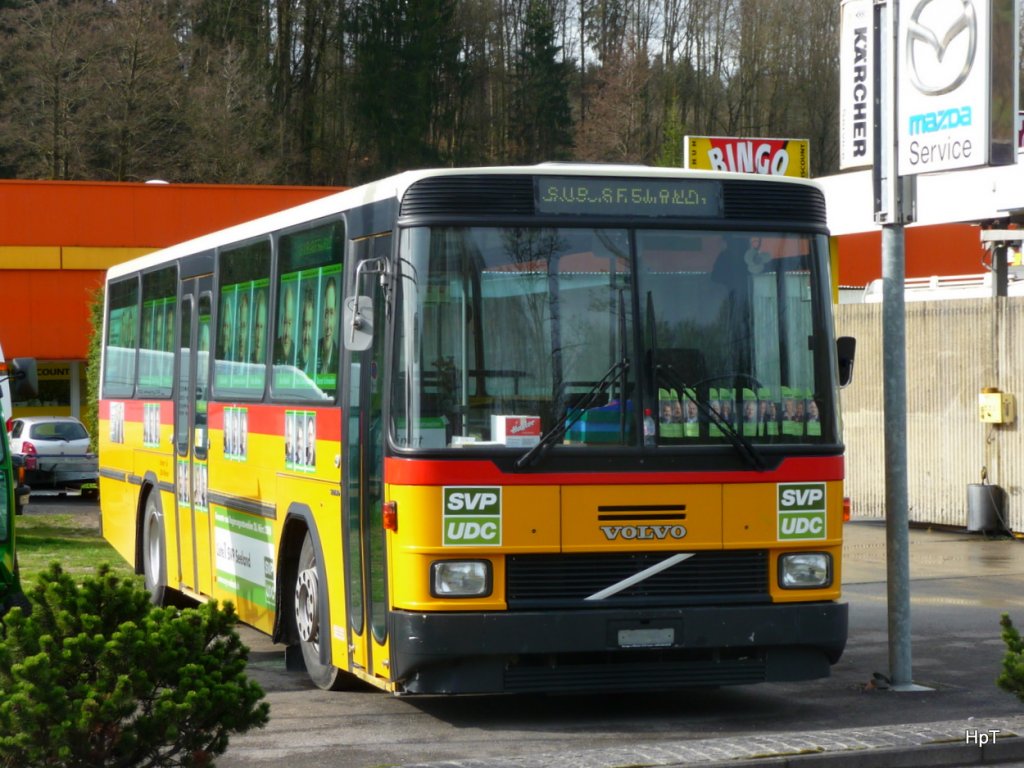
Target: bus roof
393,187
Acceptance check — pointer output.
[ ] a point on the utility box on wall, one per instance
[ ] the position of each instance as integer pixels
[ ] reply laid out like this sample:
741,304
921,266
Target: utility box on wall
996,407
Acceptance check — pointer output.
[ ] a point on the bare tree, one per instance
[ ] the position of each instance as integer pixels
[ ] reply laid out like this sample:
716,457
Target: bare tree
135,121
45,63
335,91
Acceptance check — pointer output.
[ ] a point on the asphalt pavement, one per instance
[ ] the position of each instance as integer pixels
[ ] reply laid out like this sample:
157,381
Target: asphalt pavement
952,714
960,585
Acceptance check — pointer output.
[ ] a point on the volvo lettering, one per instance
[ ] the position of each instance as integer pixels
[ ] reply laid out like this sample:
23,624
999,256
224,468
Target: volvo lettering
641,532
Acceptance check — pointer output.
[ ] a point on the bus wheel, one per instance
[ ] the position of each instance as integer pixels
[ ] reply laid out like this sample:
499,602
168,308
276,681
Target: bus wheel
154,566
308,598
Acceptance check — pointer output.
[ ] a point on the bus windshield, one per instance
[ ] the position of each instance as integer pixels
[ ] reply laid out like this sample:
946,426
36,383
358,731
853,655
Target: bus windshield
611,337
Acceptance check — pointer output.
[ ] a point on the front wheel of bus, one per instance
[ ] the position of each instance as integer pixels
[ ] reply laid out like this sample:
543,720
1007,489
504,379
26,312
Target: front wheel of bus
154,566
309,596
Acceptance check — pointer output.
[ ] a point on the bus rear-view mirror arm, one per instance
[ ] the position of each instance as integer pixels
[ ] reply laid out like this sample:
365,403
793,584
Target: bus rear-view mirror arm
359,322
358,309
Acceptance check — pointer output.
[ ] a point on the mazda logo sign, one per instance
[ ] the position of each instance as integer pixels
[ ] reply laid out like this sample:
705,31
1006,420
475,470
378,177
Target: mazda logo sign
940,52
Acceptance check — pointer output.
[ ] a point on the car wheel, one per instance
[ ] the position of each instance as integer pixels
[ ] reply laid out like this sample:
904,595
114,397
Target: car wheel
307,600
154,562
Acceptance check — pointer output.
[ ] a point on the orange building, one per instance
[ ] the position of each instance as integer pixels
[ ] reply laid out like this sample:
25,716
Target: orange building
58,238
938,249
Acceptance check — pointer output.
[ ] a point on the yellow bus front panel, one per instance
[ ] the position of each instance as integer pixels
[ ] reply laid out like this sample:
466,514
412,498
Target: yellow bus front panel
599,518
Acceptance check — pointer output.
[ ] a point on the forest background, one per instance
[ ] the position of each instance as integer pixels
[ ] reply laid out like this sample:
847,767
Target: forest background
338,92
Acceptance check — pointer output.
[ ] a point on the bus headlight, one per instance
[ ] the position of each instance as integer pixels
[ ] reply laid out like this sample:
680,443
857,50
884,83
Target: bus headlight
460,578
805,570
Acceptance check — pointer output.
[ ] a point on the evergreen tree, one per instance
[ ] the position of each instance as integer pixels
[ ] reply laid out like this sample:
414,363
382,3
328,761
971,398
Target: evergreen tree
672,137
1012,677
98,676
541,127
406,60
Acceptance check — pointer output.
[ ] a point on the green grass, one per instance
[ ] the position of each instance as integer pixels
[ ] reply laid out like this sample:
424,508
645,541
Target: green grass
73,540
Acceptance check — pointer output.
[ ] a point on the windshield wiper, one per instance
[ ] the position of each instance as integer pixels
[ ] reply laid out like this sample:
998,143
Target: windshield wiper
570,416
739,441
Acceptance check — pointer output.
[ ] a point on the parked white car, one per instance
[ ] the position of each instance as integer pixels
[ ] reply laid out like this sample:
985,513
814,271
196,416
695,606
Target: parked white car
56,453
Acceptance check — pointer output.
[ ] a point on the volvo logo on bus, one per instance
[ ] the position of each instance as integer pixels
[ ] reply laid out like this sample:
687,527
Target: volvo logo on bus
643,532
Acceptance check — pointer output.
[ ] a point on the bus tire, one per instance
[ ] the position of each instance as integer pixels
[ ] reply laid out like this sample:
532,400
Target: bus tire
154,557
307,598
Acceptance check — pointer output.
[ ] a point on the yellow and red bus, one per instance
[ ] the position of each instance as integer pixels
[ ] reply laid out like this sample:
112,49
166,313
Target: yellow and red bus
550,428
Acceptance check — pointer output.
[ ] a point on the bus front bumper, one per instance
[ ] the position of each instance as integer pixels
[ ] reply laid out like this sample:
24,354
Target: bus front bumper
624,649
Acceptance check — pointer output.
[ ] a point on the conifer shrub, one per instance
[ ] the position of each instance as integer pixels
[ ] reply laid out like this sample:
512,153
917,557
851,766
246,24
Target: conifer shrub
97,676
1012,677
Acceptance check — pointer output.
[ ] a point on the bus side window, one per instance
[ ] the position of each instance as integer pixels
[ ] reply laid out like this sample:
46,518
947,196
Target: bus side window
156,345
122,331
306,324
240,368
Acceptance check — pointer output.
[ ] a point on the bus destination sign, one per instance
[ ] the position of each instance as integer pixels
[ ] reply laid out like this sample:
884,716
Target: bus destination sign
629,197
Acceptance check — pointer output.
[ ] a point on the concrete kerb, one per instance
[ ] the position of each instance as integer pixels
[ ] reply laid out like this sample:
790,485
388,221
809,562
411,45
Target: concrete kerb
920,745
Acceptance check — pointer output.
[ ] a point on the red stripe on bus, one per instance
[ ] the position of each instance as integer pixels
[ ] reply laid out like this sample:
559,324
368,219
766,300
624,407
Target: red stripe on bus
400,471
133,410
263,419
269,419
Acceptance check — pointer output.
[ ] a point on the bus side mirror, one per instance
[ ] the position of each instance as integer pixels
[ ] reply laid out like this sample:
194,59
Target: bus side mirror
358,323
24,380
846,347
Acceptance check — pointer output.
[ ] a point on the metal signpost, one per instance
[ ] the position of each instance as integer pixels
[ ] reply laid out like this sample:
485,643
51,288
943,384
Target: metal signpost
937,81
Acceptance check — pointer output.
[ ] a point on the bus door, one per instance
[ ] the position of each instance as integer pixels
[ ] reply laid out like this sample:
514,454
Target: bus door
366,554
193,528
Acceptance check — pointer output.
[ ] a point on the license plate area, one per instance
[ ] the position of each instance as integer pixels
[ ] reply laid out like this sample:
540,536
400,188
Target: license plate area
661,632
652,637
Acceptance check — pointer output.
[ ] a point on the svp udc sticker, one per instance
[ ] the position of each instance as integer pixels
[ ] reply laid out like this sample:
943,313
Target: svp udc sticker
802,511
472,516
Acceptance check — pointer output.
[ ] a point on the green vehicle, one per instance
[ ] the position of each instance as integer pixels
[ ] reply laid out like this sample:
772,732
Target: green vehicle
20,378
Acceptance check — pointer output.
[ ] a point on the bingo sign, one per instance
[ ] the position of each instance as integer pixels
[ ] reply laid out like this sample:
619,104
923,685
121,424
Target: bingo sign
768,157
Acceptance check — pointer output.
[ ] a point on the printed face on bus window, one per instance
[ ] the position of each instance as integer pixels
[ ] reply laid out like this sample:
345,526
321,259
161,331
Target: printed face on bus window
158,337
749,410
284,349
306,352
243,326
789,409
169,329
128,328
691,411
225,329
330,307
259,328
